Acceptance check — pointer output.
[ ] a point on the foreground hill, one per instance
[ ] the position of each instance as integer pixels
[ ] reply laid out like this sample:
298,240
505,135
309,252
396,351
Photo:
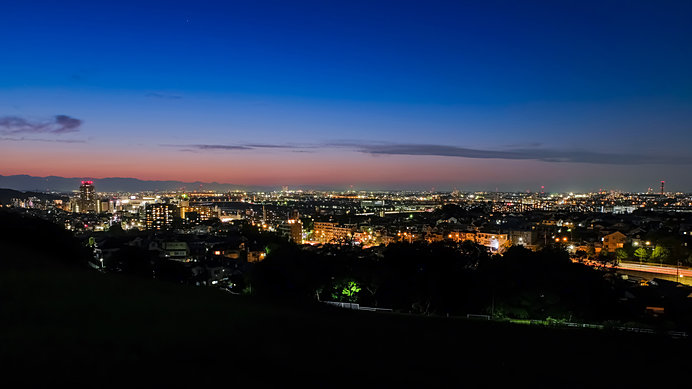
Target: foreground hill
65,323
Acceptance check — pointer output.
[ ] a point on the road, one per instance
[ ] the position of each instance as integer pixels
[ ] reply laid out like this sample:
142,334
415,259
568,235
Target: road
682,275
650,272
669,270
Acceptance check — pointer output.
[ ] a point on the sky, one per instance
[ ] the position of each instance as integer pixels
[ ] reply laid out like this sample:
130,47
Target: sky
477,95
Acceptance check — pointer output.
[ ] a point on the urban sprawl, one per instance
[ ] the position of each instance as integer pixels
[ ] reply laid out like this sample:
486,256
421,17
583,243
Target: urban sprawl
643,226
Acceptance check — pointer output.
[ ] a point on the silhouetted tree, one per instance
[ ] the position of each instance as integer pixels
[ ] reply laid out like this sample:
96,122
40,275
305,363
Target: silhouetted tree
641,253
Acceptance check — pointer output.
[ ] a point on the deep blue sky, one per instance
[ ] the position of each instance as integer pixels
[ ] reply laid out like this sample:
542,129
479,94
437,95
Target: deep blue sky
577,95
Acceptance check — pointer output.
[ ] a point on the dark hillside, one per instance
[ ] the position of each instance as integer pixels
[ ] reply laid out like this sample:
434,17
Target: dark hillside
62,322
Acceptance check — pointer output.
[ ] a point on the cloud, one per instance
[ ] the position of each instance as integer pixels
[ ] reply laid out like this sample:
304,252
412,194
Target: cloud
66,124
524,145
269,146
59,124
159,95
532,152
23,139
539,154
252,146
218,147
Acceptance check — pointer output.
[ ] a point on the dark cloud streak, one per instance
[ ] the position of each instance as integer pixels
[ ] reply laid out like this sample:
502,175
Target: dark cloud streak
539,154
22,139
517,153
254,146
60,124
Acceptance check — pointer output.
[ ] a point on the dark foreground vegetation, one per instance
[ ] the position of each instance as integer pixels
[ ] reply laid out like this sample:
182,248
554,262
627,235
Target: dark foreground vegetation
63,322
455,279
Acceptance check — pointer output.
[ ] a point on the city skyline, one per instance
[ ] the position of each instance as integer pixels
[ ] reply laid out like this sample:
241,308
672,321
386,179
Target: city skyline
494,96
129,184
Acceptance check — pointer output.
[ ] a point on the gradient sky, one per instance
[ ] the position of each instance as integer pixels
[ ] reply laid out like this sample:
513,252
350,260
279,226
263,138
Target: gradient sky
572,95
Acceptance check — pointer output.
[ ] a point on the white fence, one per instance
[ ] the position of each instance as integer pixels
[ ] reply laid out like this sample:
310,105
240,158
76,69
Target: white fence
356,306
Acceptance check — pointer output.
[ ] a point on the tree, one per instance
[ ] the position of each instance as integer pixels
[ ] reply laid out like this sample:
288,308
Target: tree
641,253
687,260
505,246
116,230
350,291
607,258
621,254
346,291
660,254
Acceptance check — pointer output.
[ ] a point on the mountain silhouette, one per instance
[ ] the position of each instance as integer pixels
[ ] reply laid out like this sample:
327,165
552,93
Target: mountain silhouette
25,182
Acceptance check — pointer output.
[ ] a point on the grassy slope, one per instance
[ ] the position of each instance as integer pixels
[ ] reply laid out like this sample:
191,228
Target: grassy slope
60,323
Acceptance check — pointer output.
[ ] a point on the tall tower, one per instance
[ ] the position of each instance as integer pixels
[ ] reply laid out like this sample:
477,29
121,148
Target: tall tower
87,197
86,191
663,183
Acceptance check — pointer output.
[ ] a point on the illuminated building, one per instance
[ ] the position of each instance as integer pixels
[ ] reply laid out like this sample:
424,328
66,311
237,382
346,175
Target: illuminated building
86,202
159,216
87,199
614,241
296,227
293,229
256,255
329,231
86,191
493,241
523,237
198,214
104,205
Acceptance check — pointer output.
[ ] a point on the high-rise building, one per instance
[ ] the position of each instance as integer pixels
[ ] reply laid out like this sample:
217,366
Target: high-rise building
87,198
86,191
292,228
159,216
296,231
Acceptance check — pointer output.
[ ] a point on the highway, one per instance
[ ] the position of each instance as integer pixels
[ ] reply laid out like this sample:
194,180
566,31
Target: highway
669,270
682,275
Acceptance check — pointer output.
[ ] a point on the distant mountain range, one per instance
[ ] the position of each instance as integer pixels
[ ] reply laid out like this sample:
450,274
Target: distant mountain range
24,182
